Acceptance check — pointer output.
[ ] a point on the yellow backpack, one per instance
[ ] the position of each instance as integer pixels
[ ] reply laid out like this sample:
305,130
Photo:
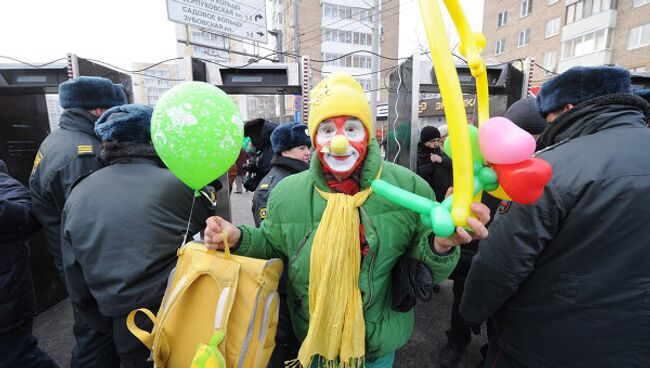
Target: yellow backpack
201,292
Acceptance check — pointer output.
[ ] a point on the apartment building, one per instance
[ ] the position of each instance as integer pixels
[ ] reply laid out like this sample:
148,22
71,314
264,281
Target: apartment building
560,34
330,29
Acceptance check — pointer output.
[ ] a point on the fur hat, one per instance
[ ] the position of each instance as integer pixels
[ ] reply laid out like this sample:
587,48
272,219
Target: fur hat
428,133
524,113
580,84
126,123
339,95
288,136
643,93
91,93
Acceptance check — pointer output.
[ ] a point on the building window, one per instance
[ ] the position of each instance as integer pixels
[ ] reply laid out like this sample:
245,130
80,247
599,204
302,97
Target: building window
346,12
525,8
523,38
348,61
549,60
586,8
639,37
502,19
640,3
365,83
552,27
342,36
500,47
587,43
551,2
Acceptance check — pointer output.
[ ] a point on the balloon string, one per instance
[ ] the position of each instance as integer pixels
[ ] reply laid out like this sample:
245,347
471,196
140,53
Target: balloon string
189,220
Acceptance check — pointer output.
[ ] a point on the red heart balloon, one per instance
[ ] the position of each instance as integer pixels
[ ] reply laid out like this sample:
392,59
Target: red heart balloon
524,181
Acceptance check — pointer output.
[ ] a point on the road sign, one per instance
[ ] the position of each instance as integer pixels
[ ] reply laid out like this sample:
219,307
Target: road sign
237,18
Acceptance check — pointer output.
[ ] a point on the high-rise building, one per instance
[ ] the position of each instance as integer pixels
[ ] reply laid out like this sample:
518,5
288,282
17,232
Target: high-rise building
329,30
560,34
150,84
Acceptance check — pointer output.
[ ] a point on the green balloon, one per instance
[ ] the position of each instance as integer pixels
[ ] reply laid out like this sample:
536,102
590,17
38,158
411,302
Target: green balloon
477,156
197,132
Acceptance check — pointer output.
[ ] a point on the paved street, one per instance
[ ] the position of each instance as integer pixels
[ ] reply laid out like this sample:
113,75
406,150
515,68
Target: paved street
53,328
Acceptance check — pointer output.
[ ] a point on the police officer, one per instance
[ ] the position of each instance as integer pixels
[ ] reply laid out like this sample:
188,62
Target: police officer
65,155
290,143
121,227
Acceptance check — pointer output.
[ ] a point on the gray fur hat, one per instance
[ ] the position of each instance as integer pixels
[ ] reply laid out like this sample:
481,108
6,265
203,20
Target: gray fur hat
579,84
126,123
91,93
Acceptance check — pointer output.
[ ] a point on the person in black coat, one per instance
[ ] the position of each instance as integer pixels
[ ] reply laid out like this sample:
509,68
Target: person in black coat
433,165
523,113
18,347
121,228
566,277
290,143
259,131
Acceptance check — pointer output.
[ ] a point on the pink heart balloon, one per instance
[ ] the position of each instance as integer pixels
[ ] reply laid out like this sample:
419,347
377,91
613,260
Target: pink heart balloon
503,142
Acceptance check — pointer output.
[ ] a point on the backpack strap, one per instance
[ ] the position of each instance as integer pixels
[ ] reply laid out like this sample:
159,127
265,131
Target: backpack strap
145,337
205,266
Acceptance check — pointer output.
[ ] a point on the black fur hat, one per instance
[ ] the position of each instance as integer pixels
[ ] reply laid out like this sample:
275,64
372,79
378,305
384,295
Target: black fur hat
91,93
126,123
288,136
580,84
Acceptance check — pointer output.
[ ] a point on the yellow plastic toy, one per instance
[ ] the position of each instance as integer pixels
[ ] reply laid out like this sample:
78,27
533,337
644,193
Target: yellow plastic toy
209,356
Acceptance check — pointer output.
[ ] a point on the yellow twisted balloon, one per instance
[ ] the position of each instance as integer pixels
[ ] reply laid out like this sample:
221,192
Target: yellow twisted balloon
452,96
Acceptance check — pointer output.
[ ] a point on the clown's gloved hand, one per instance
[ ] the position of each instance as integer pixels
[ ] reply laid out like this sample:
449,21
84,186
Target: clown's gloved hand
209,356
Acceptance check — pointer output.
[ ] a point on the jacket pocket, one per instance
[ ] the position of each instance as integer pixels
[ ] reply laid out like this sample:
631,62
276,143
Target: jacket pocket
567,287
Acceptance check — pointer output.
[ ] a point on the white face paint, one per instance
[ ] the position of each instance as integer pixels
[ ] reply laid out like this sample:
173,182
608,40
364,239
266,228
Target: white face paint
353,130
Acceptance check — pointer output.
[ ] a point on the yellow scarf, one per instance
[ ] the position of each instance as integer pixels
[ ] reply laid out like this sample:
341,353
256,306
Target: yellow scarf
337,330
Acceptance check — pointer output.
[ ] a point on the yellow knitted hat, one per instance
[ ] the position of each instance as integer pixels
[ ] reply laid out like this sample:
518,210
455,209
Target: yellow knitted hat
338,95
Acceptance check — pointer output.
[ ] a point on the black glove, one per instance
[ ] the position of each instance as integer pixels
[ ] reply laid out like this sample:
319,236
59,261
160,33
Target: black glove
411,280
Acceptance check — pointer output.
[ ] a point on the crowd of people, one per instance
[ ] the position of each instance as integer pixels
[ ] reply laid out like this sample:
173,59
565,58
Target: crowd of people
558,283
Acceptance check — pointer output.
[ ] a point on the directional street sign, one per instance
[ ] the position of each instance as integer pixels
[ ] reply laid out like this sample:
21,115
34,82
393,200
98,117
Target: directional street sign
237,18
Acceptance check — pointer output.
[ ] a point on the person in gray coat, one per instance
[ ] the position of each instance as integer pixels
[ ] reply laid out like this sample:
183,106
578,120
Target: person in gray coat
566,278
66,154
121,228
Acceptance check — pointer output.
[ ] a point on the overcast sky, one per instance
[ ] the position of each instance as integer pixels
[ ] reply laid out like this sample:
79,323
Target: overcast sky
123,31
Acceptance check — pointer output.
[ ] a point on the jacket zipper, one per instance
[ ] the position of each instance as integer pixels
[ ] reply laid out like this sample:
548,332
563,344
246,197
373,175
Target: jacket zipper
372,259
300,246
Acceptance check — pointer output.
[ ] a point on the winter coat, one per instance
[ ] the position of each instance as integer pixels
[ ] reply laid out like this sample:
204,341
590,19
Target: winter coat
17,223
567,276
122,226
65,155
281,168
438,175
294,212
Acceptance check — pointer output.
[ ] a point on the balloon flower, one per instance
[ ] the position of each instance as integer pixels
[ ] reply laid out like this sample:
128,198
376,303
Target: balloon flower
494,157
197,132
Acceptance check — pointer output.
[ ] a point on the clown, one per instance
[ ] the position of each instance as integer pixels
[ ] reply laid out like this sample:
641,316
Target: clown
328,227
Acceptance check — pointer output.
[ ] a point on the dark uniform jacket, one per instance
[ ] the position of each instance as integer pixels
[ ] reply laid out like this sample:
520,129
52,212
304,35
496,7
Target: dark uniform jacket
121,228
568,276
438,175
65,155
281,167
17,223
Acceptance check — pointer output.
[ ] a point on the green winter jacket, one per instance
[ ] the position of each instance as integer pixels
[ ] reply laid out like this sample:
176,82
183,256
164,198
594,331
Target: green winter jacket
293,213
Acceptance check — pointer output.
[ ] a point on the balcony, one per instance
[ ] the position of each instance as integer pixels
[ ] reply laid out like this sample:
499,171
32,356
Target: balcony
601,57
604,19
